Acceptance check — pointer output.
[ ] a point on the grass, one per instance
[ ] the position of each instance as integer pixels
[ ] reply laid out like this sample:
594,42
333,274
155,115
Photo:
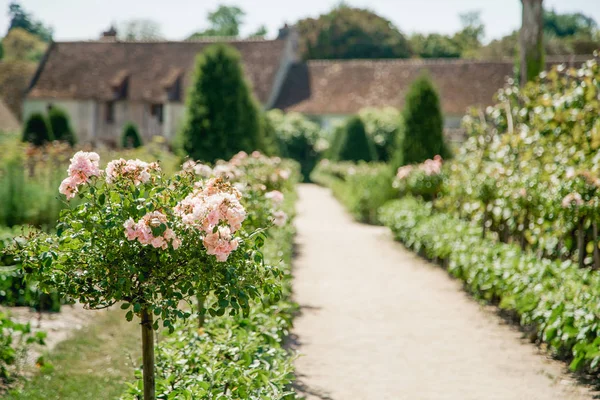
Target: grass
93,364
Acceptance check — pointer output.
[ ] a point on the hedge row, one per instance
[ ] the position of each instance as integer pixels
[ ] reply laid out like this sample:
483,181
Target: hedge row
556,300
362,188
233,357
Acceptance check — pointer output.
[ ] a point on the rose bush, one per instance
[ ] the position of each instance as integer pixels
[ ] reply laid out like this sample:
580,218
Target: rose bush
150,242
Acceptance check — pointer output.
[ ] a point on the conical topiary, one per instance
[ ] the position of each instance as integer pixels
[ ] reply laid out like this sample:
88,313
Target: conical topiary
131,137
61,126
355,144
37,130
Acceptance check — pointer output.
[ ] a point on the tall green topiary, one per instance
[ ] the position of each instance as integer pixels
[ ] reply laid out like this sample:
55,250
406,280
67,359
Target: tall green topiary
131,137
355,144
222,116
37,130
423,123
61,126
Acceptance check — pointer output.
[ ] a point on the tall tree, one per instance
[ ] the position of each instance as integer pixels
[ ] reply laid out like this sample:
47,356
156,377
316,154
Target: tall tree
19,18
570,24
224,21
21,45
140,29
423,124
347,32
469,38
222,116
531,40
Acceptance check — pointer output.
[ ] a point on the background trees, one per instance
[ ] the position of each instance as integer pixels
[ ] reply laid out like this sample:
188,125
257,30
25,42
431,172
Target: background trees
140,29
347,32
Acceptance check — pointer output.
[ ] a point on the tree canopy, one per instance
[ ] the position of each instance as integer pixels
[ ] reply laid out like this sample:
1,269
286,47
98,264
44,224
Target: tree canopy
346,33
224,21
22,45
19,18
140,29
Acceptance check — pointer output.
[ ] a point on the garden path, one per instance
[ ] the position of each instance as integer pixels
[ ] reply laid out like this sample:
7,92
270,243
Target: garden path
379,323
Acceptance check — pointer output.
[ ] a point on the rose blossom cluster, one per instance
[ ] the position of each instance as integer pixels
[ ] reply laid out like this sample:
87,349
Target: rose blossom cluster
279,216
432,167
404,172
142,231
83,166
217,212
572,199
136,170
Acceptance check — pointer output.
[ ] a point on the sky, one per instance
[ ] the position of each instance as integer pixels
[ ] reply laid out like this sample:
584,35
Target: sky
86,19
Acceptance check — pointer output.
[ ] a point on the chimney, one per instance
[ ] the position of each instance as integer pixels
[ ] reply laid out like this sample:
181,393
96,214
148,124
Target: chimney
110,35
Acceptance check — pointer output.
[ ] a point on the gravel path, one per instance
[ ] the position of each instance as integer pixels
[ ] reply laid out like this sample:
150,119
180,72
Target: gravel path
378,323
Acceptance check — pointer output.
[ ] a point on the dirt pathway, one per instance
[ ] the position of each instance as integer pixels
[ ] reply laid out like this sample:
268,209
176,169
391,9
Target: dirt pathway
379,323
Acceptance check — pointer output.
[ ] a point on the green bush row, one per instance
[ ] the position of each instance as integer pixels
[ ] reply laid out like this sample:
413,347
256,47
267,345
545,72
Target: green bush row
362,188
556,300
235,357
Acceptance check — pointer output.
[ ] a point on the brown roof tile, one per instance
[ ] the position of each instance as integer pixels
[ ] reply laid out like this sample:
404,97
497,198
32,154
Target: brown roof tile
89,70
344,87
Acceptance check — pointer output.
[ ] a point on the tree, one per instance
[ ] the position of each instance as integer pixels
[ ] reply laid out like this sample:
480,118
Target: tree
224,21
346,33
131,138
61,126
423,125
261,32
382,126
566,25
222,116
531,41
37,131
140,29
20,45
434,46
468,40
21,19
356,144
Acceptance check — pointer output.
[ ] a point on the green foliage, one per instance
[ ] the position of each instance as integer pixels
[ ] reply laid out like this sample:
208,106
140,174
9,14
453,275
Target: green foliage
556,299
525,155
362,188
37,131
1,50
349,33
383,127
570,24
61,126
19,18
242,357
222,116
434,45
298,137
15,339
131,138
355,144
140,29
423,123
224,21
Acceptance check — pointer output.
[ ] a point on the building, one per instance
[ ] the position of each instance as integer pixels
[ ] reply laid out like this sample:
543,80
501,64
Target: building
107,83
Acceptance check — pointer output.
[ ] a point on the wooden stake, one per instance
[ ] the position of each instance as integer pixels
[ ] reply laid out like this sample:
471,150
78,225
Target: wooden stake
148,354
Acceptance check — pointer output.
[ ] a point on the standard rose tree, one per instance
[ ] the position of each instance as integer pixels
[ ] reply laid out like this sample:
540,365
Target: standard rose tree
149,243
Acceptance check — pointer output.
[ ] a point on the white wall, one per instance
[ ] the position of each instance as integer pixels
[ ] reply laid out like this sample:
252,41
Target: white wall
81,114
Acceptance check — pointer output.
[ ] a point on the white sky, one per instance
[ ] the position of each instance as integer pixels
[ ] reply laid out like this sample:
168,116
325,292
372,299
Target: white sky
86,19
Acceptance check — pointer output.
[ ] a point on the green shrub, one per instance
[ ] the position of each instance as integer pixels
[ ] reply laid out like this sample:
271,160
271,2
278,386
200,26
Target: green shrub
556,298
61,126
383,127
131,138
362,188
297,137
355,144
222,116
37,131
423,124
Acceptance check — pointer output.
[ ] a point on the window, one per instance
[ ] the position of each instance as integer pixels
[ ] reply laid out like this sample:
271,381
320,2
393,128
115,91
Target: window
156,110
109,117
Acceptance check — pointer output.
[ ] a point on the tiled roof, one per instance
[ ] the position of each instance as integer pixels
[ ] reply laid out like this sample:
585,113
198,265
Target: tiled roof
344,87
91,70
8,122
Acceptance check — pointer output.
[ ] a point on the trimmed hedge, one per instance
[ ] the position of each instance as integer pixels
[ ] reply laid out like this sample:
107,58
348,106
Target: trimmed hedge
362,188
556,300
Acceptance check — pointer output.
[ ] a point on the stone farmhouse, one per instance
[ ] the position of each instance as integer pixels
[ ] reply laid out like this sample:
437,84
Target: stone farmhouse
106,83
